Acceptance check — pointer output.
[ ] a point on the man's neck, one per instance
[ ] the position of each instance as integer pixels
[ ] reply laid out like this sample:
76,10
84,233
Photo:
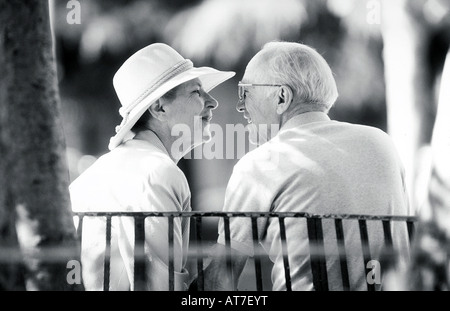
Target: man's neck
294,113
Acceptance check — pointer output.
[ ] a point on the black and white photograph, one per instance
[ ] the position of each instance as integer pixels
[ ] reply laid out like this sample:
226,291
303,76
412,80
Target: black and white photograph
219,153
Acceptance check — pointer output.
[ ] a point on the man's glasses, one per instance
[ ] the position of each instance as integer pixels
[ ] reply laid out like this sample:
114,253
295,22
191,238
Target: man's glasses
242,86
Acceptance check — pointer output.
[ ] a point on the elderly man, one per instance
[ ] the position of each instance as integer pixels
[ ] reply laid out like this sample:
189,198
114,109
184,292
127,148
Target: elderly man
311,164
159,91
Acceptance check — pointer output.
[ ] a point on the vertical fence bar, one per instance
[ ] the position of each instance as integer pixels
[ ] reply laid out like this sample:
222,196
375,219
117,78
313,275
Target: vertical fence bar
388,258
317,254
366,249
287,273
198,232
410,226
140,275
80,229
106,265
322,258
315,267
342,254
80,234
315,234
171,255
388,234
257,258
226,221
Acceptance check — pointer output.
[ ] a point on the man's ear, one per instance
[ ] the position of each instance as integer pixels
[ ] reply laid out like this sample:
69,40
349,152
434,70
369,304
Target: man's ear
285,98
157,110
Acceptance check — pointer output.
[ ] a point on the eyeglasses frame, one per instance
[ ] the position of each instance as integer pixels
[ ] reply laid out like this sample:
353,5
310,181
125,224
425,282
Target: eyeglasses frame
242,85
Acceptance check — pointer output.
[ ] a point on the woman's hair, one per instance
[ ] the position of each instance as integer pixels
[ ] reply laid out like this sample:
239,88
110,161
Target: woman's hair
303,69
141,124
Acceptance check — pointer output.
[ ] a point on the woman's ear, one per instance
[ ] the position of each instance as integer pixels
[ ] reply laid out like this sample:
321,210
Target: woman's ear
157,110
285,98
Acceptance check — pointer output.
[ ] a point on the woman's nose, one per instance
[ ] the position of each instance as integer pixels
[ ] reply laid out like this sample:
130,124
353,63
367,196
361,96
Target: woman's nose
210,102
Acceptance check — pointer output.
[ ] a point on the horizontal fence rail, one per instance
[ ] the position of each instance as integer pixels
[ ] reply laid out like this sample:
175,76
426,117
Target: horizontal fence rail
315,236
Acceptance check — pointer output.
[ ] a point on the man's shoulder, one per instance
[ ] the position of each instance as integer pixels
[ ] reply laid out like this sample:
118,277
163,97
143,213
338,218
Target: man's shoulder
355,133
257,153
352,127
360,128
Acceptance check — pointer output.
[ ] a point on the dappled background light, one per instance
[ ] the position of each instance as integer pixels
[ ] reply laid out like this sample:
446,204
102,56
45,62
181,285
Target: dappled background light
223,31
225,34
387,58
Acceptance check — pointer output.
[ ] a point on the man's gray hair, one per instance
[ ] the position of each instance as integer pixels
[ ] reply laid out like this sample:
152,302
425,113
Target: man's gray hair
303,69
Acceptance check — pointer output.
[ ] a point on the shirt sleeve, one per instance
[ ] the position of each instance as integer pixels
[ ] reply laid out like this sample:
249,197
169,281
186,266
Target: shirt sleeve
167,191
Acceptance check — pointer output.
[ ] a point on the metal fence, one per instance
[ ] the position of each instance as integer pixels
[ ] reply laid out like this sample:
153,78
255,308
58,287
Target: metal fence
315,236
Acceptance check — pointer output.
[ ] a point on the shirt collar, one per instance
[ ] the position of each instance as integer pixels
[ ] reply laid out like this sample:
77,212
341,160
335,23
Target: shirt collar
305,118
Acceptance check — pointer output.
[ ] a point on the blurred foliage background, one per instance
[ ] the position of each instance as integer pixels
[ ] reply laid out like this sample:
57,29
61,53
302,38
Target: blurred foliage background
226,34
387,71
221,33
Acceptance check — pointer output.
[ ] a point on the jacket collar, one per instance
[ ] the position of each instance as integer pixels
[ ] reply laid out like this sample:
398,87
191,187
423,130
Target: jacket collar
305,118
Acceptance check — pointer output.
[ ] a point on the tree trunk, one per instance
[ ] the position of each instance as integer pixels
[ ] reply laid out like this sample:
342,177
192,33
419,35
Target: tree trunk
35,216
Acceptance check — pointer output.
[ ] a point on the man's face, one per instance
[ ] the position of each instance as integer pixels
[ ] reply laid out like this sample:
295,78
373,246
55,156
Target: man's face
191,108
258,106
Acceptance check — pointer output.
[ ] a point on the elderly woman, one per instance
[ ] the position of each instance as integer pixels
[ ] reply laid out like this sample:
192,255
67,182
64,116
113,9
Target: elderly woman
158,90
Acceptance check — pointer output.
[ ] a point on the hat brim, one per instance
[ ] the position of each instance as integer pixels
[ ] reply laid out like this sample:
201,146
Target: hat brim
209,77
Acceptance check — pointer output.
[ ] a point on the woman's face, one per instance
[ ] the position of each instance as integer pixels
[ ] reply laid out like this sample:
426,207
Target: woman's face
189,113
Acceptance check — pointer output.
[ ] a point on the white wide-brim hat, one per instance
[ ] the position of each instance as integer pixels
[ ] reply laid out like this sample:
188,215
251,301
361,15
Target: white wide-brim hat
149,74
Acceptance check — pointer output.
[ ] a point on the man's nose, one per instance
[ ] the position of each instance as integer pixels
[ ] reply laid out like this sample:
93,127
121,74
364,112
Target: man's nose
240,106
